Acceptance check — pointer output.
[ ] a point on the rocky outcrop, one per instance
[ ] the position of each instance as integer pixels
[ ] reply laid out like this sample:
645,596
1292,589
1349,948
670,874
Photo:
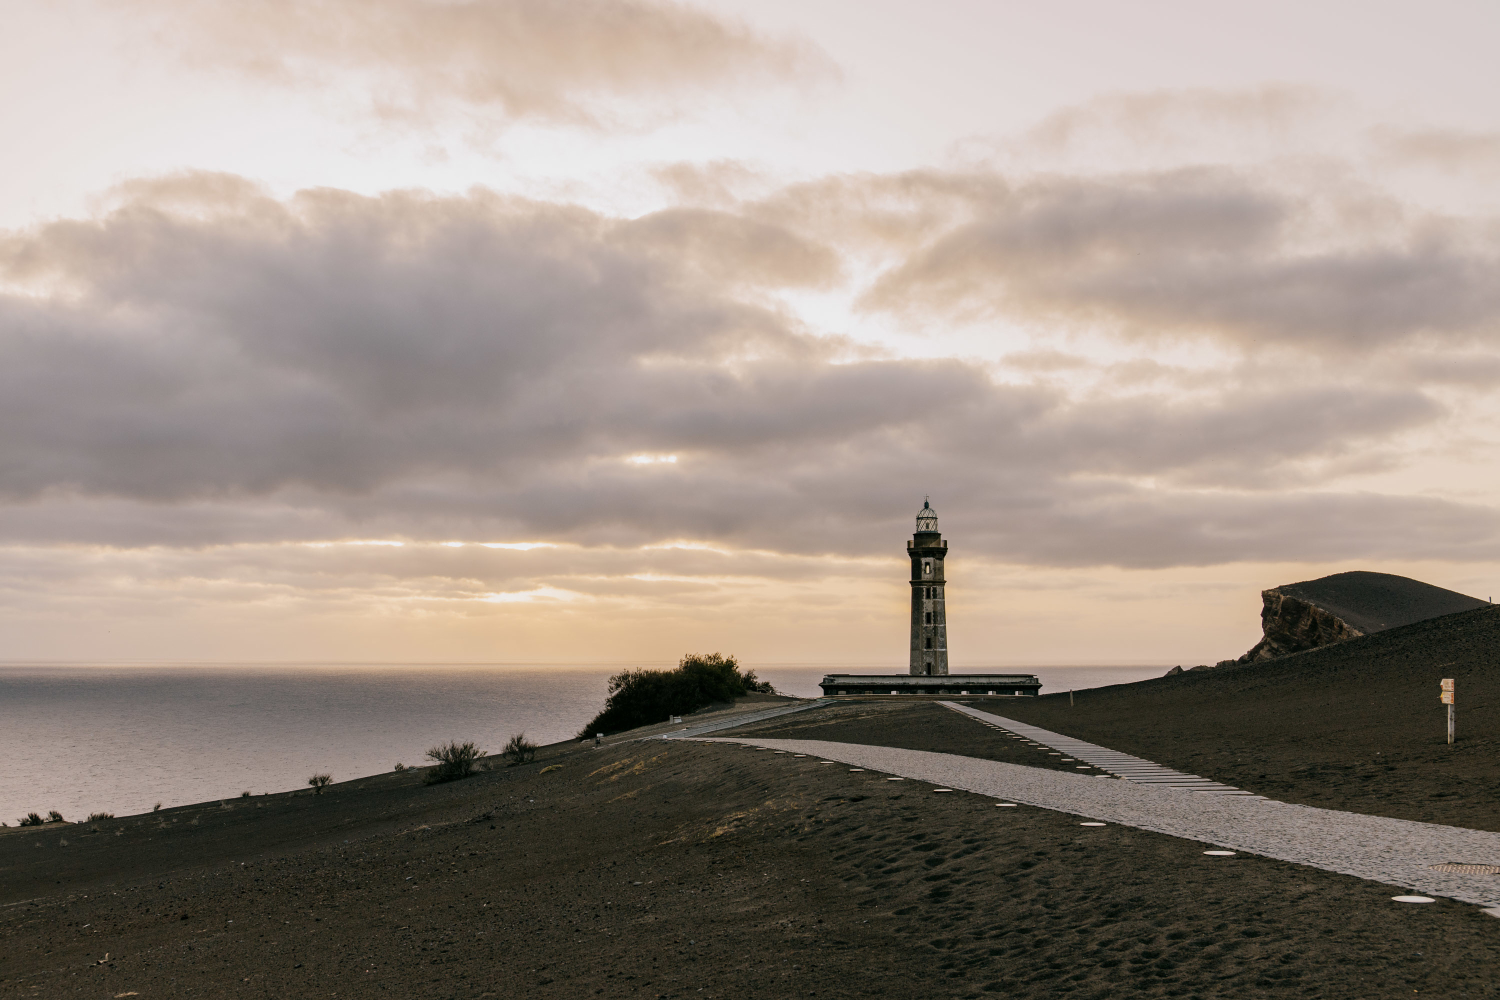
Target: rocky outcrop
1299,616
1290,625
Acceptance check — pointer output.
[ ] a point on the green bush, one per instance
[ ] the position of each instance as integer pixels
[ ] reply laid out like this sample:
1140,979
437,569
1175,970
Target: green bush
32,819
454,760
643,697
54,816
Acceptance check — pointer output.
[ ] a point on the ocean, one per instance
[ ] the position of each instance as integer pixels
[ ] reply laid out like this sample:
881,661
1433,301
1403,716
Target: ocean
82,738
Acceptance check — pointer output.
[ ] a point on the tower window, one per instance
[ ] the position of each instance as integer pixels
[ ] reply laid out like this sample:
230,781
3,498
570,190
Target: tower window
929,617
927,568
929,642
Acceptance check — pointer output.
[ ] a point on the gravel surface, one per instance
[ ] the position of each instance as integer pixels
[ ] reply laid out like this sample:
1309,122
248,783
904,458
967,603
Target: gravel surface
1396,852
700,870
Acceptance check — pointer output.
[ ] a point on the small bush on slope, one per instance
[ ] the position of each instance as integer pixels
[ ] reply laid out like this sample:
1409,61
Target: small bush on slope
520,750
454,760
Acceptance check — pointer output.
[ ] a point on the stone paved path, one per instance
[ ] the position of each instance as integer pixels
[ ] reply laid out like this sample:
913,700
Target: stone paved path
1121,765
1395,852
688,732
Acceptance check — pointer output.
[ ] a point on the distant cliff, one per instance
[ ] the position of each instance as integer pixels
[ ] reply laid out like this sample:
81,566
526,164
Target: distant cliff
1298,616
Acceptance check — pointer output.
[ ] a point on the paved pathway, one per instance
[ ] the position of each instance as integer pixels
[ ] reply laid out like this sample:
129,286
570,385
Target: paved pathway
1121,764
1396,852
688,732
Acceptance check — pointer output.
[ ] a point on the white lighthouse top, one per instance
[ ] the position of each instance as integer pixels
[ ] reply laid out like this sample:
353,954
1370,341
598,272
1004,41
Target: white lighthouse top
926,517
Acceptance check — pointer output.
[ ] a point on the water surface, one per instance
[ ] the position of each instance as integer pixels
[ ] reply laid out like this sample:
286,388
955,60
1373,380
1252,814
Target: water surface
83,738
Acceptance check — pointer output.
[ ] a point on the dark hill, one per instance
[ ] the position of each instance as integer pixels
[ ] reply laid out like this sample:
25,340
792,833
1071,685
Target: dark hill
1313,613
1374,602
1356,725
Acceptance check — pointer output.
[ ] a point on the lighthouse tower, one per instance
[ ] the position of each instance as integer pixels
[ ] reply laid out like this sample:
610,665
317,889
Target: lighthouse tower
929,622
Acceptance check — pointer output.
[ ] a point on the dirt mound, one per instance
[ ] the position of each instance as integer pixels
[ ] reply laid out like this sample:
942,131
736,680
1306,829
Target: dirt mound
1313,613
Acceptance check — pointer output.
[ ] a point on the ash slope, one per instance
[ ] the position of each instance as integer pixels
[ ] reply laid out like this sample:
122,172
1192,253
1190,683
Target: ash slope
689,870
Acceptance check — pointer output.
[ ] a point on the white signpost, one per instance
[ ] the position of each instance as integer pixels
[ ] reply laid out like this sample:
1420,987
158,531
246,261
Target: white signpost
1447,699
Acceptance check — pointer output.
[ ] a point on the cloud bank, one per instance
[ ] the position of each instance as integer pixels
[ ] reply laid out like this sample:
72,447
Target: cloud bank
206,364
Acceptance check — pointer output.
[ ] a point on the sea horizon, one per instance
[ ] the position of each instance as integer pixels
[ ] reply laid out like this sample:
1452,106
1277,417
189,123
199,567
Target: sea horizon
87,736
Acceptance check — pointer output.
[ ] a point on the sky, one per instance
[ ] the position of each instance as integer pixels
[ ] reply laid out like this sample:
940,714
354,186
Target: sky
516,331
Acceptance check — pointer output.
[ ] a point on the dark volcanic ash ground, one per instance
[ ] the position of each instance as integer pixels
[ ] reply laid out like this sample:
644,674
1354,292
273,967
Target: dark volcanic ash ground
691,870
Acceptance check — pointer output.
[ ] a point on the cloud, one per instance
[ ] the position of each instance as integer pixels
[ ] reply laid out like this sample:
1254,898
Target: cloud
1204,252
1448,149
522,59
1187,124
732,250
205,365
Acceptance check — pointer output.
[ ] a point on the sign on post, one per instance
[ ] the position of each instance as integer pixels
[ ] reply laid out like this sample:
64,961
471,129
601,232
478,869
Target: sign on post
1445,695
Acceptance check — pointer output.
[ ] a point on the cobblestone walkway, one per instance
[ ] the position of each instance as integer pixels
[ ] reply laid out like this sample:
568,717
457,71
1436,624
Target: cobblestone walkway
1122,765
1395,852
690,731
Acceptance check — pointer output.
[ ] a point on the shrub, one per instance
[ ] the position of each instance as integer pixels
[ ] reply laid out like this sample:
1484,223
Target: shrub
319,782
520,750
95,817
245,794
32,819
643,697
454,760
400,766
53,816
156,808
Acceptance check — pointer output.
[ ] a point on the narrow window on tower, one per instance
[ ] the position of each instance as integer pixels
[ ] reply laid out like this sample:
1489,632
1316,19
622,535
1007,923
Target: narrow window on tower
929,617
929,643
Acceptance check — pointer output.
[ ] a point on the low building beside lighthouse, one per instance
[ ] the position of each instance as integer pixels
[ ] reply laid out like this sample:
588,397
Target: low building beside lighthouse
927,662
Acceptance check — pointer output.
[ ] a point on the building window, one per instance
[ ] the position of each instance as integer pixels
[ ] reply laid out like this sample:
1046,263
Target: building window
927,567
929,643
929,617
